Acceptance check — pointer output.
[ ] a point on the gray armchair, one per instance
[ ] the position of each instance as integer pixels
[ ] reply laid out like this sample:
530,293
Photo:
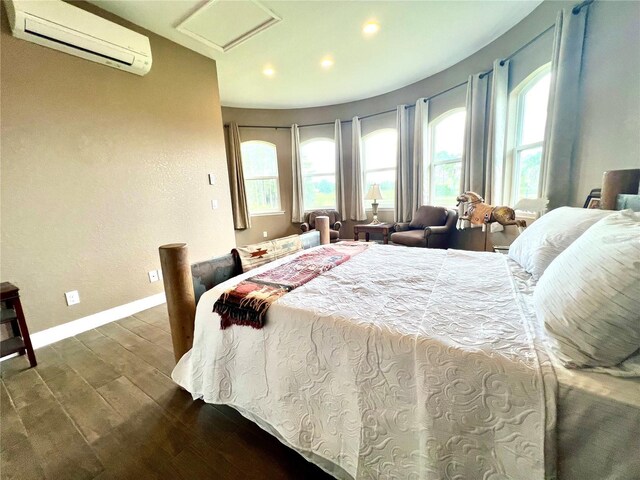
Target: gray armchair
429,228
334,223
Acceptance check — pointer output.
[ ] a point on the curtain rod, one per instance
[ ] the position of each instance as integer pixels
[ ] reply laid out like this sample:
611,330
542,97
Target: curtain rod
509,57
575,10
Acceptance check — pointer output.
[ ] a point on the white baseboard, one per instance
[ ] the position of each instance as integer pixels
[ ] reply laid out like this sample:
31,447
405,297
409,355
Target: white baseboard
66,330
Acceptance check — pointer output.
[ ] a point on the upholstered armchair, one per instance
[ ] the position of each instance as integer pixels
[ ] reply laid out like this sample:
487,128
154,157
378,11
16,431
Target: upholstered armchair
334,223
429,228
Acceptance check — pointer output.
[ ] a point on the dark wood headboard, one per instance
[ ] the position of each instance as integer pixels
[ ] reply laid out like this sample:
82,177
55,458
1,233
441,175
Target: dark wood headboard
618,182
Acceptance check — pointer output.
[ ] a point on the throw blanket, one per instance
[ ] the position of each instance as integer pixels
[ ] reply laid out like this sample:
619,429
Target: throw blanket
247,303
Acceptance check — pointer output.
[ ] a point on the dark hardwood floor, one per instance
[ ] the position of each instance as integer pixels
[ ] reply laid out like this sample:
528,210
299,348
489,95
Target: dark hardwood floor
102,405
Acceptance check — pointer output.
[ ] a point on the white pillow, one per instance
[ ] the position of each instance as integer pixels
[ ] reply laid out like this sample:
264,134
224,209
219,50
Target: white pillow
543,241
589,297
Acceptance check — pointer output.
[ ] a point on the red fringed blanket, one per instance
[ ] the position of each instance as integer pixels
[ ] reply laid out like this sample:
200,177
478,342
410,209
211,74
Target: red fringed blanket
247,303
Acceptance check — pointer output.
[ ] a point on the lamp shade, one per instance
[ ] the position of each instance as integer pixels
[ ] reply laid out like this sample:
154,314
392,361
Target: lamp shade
374,193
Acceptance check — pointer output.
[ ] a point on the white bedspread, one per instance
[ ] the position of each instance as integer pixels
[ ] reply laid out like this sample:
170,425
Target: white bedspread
400,363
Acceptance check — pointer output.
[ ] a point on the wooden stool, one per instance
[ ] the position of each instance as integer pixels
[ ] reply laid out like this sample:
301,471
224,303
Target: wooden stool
12,313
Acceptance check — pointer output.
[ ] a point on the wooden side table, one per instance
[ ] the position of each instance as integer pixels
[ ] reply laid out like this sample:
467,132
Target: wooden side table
382,228
12,313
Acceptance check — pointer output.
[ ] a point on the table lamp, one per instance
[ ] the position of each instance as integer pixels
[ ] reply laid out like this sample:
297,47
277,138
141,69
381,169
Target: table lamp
374,194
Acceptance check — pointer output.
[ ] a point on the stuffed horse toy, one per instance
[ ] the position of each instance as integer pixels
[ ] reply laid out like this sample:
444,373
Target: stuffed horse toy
474,210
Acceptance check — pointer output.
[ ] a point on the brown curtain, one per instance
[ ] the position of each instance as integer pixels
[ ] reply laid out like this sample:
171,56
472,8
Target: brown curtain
241,218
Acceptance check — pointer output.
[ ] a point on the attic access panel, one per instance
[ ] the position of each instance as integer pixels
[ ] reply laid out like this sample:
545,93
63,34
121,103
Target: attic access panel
225,24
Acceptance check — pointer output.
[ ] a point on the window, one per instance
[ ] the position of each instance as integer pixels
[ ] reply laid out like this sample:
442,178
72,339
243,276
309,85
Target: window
442,174
379,164
260,166
318,162
531,99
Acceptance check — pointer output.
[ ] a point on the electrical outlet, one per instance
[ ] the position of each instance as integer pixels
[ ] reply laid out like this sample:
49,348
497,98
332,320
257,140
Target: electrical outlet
212,179
214,204
72,297
153,276
159,274
264,234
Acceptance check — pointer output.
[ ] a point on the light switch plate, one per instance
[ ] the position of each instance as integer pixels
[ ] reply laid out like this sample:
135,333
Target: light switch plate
214,204
72,297
212,179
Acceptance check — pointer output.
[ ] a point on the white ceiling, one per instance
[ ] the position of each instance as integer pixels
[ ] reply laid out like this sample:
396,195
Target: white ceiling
416,39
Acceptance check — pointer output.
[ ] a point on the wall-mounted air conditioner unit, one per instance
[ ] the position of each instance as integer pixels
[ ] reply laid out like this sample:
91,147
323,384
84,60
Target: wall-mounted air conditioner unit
58,25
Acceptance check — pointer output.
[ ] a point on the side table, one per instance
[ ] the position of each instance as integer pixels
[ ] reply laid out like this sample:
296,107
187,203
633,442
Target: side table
12,313
382,228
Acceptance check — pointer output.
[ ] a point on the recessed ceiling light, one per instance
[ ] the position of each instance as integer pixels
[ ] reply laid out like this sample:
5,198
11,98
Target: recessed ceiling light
370,28
326,62
269,71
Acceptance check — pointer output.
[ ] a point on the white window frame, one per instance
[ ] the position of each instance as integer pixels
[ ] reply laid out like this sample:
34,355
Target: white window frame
516,119
308,208
368,207
431,133
278,208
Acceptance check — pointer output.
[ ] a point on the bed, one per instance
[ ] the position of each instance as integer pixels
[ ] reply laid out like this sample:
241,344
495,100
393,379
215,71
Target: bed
443,374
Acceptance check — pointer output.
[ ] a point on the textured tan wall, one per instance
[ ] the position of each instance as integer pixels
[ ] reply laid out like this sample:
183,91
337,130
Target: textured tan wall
100,167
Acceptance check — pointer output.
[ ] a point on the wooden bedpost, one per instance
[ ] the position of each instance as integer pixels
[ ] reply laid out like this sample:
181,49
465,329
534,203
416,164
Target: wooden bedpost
181,302
322,225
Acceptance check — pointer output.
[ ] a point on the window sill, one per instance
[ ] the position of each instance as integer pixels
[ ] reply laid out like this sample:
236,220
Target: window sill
267,214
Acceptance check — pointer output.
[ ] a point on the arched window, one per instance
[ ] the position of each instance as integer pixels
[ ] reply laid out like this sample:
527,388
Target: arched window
531,98
260,167
379,164
318,162
442,172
